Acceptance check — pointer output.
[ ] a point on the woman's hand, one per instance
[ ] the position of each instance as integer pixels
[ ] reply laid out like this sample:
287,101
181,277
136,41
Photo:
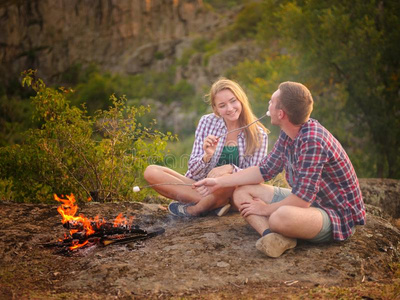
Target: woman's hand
254,207
220,171
209,147
206,186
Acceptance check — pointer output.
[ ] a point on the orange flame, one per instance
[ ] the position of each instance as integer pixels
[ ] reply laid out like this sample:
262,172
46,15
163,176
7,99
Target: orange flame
68,210
76,245
121,220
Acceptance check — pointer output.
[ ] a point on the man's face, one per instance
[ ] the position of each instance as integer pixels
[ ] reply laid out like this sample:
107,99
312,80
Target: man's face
272,108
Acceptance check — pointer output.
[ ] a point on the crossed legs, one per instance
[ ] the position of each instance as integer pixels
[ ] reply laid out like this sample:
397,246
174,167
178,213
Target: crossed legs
286,222
290,221
247,193
155,174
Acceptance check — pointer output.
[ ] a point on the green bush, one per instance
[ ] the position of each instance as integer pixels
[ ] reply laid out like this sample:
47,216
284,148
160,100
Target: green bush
200,45
346,53
350,47
101,157
160,86
222,4
247,21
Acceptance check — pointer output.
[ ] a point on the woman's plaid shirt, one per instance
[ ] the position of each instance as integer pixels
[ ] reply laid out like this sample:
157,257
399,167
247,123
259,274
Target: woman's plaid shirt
322,174
212,125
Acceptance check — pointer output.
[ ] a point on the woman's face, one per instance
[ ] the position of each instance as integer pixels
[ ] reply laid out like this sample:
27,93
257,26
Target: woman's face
227,105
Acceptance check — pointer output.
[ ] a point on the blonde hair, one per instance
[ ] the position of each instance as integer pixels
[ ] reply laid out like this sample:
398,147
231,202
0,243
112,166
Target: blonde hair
296,100
252,134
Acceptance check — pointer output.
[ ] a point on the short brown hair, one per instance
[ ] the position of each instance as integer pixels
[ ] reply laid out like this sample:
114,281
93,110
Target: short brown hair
296,101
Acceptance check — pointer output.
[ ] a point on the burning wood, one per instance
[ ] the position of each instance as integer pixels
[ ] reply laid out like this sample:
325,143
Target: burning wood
84,232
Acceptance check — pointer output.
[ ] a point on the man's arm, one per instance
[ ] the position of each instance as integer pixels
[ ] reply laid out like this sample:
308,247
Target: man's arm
247,176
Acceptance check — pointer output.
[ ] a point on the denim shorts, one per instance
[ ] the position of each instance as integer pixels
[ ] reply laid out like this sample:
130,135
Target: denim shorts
325,234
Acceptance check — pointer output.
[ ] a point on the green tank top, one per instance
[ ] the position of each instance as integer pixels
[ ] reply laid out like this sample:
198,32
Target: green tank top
229,155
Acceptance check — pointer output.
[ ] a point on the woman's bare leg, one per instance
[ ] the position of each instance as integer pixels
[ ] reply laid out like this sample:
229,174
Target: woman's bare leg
155,174
213,201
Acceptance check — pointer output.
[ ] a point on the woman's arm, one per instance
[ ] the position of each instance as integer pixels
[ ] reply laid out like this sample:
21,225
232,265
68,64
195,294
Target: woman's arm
203,148
247,176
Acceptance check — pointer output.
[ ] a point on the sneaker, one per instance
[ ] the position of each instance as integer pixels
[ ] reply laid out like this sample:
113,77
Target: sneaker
222,211
274,244
179,209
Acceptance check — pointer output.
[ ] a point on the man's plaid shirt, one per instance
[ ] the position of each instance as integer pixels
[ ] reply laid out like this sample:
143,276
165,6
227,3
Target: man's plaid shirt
322,174
212,125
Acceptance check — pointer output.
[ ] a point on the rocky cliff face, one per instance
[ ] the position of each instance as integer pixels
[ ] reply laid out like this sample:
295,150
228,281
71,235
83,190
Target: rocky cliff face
119,36
383,193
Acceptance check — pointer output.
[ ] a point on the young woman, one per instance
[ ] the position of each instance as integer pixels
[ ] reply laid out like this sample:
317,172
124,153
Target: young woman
217,151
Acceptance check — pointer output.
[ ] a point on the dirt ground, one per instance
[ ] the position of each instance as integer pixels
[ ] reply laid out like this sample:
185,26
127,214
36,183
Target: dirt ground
208,258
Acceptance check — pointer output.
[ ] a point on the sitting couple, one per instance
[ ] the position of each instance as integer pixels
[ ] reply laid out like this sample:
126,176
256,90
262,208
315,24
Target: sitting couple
324,203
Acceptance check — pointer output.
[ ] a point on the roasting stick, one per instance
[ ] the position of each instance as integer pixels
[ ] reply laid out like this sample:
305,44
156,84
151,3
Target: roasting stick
137,189
243,127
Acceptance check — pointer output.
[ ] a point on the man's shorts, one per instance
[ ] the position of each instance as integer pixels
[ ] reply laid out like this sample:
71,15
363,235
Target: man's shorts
325,234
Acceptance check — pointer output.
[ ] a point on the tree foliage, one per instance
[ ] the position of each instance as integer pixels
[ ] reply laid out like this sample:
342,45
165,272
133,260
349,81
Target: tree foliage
101,157
347,53
95,86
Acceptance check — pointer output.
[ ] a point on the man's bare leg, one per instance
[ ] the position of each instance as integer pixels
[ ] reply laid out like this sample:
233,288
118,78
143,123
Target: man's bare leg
296,222
246,194
286,223
271,244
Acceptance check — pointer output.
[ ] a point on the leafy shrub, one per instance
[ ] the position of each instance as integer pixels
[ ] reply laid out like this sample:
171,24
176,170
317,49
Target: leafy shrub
350,47
15,118
160,86
199,45
157,89
159,55
95,90
101,157
247,21
222,4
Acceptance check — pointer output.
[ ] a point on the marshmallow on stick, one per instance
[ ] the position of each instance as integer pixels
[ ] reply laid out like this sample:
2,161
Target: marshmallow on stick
136,189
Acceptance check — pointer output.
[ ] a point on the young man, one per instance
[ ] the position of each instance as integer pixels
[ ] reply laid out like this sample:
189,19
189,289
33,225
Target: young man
324,203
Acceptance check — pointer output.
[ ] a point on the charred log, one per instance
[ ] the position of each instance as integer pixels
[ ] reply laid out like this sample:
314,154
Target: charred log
104,227
80,240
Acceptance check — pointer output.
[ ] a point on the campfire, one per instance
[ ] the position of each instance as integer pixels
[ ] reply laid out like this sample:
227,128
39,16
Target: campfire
84,232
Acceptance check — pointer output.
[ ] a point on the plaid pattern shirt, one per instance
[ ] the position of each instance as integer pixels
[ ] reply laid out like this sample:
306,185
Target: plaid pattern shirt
212,125
319,171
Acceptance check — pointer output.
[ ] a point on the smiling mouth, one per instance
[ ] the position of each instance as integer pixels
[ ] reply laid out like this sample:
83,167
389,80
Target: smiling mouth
232,113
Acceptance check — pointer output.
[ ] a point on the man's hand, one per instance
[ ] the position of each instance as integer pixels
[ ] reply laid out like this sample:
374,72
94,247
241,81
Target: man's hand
219,171
254,207
206,186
